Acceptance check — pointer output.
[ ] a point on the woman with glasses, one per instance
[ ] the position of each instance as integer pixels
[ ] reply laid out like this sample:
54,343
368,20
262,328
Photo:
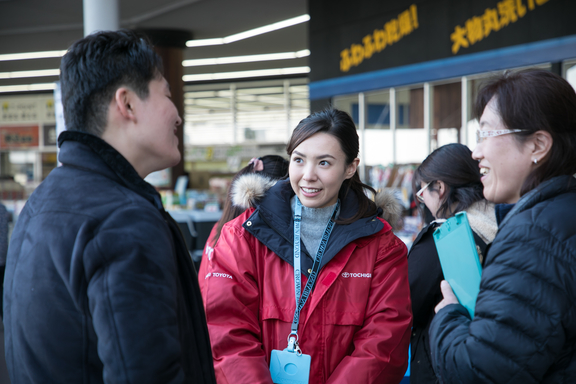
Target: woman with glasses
524,327
448,181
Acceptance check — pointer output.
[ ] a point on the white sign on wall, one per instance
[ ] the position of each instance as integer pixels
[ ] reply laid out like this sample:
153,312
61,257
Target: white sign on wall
27,109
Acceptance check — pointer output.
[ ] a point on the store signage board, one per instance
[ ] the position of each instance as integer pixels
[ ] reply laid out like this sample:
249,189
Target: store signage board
26,136
26,109
369,35
49,133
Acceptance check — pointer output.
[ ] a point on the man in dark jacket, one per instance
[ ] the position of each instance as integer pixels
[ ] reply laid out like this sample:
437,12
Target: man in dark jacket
99,283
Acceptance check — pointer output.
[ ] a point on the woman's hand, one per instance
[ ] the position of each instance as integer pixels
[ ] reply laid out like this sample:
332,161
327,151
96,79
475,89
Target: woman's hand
449,296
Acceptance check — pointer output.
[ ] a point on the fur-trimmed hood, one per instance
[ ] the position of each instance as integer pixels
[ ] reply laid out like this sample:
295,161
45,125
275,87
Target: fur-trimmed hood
248,189
391,207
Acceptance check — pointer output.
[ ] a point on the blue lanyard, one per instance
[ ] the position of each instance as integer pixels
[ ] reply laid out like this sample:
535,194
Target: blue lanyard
300,301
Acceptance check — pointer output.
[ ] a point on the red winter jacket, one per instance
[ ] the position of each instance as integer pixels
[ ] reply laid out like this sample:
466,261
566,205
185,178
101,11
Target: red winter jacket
356,322
206,257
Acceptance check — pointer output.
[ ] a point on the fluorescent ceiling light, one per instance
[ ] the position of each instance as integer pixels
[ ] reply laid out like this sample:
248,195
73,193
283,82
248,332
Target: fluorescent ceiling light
23,74
244,74
31,55
246,58
27,87
205,42
249,33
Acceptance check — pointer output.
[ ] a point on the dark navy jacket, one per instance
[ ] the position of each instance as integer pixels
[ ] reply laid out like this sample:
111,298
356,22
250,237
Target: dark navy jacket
524,329
99,285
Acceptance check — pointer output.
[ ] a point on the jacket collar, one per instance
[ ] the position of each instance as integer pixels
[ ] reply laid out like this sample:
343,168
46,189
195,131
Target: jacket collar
546,190
79,149
501,210
271,224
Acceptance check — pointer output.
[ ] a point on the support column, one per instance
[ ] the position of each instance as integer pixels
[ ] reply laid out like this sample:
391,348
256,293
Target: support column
362,126
170,44
428,108
234,114
100,15
464,130
287,109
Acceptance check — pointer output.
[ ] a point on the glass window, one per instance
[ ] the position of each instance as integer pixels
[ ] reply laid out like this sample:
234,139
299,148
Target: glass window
447,114
349,104
410,107
569,69
248,112
411,146
377,110
379,141
19,165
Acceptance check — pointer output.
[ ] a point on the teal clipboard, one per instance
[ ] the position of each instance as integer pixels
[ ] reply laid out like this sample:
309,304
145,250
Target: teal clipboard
459,259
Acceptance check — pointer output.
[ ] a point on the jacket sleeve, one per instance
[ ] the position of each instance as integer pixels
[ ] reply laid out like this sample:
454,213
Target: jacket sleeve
206,259
424,275
517,332
132,296
3,234
232,302
381,345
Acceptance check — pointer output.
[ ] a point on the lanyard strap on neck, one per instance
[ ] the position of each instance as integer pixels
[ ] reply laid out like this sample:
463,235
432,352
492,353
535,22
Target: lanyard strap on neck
300,301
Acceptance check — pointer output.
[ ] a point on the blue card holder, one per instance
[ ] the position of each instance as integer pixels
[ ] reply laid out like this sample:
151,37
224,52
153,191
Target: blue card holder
289,367
459,259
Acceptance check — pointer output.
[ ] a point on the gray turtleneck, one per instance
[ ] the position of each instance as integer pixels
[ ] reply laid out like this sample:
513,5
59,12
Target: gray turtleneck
314,221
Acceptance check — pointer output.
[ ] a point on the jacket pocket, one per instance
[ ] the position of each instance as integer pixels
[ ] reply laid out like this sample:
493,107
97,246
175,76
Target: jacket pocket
344,318
344,308
271,312
345,301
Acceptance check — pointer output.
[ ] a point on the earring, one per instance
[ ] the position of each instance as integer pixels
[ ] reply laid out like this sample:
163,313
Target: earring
535,161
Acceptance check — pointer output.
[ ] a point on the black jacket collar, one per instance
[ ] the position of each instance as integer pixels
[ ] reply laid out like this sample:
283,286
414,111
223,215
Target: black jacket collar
117,164
271,224
546,190
501,210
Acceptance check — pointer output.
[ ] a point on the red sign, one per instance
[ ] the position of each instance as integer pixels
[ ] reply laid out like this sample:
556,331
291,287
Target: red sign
19,137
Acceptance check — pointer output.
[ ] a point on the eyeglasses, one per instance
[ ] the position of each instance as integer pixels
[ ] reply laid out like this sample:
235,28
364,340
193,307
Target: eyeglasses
420,193
481,135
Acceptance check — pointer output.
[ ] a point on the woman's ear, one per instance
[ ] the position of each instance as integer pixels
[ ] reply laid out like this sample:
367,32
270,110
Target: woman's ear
352,167
542,144
442,188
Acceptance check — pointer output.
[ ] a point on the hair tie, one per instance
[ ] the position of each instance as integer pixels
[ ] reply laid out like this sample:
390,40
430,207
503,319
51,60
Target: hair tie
258,164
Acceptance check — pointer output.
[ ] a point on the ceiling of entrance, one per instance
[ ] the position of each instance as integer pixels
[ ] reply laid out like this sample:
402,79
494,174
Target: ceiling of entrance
47,25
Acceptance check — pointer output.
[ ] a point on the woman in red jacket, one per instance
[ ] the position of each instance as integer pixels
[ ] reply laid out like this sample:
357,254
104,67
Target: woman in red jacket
346,268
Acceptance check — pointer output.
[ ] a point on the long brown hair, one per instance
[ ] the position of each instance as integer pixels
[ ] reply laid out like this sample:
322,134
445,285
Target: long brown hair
340,125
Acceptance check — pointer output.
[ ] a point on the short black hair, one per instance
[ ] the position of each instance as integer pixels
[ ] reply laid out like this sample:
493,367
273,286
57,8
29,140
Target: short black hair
95,67
534,100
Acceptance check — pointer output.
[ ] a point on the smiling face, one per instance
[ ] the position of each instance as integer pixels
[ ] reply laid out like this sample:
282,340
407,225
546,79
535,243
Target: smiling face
317,170
504,162
155,134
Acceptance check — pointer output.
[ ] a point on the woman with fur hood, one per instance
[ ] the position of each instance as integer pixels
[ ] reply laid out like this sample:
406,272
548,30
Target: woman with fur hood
274,167
315,238
447,181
